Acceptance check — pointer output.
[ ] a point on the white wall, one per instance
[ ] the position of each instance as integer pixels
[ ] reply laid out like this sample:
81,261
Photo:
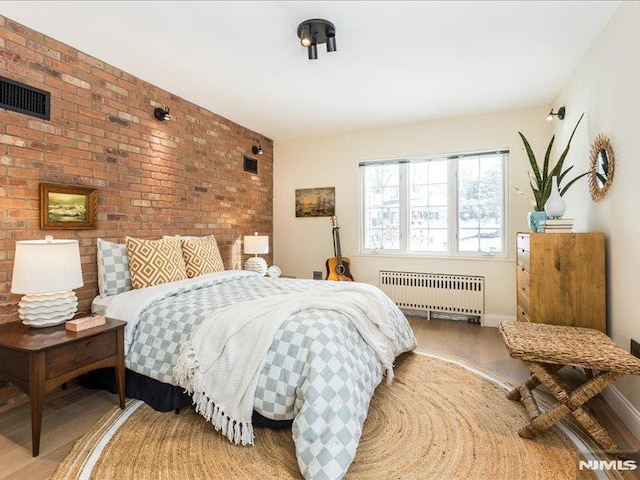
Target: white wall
301,245
606,85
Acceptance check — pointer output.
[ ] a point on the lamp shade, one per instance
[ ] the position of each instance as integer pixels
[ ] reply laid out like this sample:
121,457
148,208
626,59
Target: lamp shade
256,244
46,266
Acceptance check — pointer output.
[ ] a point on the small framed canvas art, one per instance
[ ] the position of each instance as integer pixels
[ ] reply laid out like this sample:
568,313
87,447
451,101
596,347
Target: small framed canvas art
67,207
316,202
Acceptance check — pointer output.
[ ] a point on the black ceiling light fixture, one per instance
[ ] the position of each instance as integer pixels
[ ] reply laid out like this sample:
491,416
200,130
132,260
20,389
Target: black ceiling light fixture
315,32
560,114
162,114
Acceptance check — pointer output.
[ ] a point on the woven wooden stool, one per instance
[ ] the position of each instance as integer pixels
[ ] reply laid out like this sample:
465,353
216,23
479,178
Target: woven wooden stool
545,349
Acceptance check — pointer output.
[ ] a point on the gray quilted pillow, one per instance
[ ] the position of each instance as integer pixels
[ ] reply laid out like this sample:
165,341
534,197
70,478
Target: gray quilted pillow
113,268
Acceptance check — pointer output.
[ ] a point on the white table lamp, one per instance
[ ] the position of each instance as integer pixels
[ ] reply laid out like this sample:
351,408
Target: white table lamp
46,271
255,245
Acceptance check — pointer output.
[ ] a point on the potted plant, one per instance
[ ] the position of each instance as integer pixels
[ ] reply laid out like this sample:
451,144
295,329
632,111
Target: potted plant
541,181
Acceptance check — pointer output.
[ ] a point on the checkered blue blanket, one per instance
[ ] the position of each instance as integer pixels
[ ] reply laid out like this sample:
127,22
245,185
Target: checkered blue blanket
318,372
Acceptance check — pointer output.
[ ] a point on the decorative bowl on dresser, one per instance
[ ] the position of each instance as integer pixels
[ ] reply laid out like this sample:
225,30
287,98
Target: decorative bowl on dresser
561,279
39,360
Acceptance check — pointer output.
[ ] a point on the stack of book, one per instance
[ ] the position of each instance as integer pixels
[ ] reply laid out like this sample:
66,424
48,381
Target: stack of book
556,225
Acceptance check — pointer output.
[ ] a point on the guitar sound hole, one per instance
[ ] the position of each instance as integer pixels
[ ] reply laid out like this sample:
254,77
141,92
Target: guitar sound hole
340,269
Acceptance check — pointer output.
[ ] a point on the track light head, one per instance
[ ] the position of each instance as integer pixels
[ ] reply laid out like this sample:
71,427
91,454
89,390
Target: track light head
162,114
305,36
331,40
560,114
313,51
257,150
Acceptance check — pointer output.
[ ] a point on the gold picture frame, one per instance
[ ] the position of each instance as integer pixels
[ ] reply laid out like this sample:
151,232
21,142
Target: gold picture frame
316,202
67,207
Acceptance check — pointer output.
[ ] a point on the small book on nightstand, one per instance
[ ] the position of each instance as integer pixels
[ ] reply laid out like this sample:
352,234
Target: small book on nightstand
85,323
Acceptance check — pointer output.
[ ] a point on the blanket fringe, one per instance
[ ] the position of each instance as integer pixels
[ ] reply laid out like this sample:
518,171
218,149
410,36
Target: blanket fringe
390,375
186,374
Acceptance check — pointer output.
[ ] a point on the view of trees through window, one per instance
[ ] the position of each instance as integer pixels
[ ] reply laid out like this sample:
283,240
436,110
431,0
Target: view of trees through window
446,205
382,206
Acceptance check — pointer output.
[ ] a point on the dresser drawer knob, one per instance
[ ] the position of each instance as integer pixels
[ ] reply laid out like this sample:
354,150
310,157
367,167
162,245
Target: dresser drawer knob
83,359
84,345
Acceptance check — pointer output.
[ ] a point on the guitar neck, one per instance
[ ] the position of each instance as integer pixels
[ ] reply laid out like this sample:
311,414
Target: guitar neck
338,252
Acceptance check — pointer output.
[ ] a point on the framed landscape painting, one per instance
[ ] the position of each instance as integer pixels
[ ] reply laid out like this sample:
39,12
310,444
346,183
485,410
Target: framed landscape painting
316,202
67,207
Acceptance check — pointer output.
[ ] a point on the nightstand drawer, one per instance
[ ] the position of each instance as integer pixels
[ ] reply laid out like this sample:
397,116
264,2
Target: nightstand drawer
67,358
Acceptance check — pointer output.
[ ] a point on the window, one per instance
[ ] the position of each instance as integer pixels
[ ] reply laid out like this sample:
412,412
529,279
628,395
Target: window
448,205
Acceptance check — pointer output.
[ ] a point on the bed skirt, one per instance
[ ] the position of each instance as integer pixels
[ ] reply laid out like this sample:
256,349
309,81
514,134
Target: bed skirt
160,396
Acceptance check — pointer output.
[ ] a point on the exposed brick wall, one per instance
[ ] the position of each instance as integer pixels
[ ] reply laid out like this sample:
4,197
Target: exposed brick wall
153,178
184,176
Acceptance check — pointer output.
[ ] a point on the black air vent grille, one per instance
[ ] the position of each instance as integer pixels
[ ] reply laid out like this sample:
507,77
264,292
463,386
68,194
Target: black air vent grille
250,165
24,99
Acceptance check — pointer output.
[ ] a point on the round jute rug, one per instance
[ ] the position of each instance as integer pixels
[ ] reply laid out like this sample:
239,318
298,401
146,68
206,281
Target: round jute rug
437,420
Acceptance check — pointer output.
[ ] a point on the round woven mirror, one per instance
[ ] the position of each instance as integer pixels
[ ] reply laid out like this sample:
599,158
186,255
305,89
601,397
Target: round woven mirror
601,169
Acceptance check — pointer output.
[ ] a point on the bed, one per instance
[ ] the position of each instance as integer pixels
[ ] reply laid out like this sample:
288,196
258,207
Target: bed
327,345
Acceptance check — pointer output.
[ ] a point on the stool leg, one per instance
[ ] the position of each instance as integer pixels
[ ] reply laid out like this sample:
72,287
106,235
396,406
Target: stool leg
529,402
571,403
599,434
545,421
546,373
531,383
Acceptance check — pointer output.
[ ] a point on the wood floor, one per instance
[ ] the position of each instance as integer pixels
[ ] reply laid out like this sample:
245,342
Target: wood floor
68,414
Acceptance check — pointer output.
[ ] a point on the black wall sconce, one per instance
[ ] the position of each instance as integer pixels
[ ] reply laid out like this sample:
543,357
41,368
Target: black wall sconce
560,114
314,32
257,149
162,114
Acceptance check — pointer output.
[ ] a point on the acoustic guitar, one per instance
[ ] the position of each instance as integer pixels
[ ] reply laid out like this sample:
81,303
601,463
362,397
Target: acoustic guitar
338,266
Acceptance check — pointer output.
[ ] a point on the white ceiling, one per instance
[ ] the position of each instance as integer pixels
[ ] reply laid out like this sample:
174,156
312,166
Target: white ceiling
396,62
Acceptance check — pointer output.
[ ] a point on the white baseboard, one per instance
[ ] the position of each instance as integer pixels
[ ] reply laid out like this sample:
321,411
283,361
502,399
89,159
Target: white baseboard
629,415
489,320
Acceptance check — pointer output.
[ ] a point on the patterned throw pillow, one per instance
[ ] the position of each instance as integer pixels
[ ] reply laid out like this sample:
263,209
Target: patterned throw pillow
113,268
153,262
201,256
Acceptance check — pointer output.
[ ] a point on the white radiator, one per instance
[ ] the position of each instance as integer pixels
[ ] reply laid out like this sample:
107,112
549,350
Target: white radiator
460,295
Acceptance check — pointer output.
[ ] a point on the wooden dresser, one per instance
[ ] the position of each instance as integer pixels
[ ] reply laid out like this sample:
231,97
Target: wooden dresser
561,279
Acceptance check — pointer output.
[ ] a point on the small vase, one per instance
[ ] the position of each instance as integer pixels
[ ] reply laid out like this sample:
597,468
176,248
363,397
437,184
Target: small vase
555,206
534,219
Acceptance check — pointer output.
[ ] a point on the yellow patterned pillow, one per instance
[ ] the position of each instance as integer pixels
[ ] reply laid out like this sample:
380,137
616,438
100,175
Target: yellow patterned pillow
153,262
201,256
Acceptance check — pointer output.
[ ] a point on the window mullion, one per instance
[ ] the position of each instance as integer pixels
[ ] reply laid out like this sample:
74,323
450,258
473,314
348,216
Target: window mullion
404,207
453,206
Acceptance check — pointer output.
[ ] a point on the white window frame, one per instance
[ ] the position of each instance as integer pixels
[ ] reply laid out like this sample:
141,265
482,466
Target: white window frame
452,211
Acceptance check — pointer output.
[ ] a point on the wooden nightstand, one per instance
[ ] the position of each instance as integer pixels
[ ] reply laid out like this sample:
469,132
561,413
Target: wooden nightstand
37,360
